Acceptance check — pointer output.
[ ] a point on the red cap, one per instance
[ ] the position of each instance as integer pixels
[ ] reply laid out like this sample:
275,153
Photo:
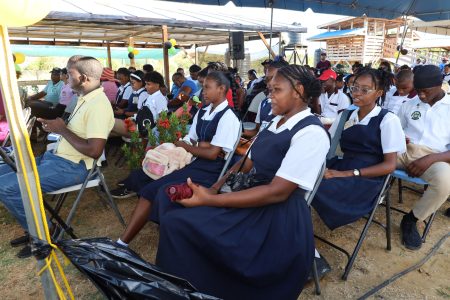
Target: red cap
327,74
107,75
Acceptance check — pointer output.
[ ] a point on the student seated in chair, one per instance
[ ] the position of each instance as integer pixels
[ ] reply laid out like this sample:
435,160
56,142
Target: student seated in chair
370,141
426,122
402,92
82,141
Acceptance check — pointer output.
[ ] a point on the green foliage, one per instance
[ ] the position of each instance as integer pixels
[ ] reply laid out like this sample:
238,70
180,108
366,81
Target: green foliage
134,151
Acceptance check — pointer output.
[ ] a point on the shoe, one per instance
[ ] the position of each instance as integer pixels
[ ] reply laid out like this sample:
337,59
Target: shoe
411,238
25,239
25,252
323,268
122,193
121,183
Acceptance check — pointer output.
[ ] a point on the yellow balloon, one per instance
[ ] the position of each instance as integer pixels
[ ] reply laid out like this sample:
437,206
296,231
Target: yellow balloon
173,42
135,51
397,54
23,12
20,58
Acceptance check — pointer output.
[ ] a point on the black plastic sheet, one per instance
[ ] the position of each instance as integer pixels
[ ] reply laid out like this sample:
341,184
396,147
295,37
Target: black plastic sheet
119,273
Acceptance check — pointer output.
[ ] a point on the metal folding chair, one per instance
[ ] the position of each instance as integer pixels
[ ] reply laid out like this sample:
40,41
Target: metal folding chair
383,196
309,196
401,176
95,178
231,153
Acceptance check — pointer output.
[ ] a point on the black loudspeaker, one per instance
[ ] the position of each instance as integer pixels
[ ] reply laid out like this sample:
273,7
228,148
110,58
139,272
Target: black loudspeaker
237,45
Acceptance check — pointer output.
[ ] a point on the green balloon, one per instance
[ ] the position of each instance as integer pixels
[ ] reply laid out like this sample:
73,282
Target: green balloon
172,51
130,49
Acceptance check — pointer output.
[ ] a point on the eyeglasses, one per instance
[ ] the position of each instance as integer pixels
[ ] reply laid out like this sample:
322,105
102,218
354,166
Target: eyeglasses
362,90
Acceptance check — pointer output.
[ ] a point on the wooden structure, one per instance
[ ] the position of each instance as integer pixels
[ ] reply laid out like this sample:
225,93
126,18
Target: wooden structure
363,39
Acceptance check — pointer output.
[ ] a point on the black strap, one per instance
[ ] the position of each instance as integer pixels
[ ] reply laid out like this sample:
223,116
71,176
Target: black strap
337,136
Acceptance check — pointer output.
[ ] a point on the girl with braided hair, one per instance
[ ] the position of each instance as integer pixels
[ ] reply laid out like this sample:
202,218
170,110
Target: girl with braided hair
256,243
370,141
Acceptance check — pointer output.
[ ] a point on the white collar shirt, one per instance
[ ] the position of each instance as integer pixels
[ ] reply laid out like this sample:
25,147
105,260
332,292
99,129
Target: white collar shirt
333,104
228,128
393,102
392,136
427,125
157,103
307,151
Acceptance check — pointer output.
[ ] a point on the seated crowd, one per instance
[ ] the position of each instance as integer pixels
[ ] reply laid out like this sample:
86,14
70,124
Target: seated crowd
255,241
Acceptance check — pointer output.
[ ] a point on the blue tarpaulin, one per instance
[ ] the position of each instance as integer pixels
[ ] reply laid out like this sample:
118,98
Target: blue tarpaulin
427,10
337,34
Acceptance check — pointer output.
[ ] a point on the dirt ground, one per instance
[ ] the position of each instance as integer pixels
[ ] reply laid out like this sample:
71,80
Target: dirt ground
19,280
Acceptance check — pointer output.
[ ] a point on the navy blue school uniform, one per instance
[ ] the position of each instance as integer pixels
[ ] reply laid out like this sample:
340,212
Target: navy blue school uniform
251,253
201,170
134,100
341,201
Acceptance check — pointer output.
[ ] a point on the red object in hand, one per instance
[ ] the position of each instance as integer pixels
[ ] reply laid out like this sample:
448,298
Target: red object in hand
179,191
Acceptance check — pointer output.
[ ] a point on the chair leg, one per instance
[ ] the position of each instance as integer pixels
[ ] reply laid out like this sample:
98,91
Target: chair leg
352,259
110,199
427,227
400,191
54,215
316,278
388,222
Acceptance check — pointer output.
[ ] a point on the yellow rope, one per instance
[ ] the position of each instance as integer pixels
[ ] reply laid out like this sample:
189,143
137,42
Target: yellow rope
12,110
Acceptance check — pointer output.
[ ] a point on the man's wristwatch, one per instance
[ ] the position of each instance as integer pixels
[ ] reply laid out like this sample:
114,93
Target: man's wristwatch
356,172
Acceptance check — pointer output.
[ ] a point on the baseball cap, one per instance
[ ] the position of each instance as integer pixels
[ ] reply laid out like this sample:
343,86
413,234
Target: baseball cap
267,61
327,74
55,70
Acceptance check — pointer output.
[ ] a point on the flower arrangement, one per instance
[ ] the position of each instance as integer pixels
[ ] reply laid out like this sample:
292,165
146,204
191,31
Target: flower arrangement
169,128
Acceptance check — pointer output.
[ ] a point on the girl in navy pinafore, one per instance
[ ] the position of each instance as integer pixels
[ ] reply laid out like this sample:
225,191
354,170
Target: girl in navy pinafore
203,170
343,200
257,252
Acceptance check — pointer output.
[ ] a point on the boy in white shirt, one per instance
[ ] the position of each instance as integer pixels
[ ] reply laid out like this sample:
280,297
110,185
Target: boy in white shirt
426,123
446,75
402,92
332,101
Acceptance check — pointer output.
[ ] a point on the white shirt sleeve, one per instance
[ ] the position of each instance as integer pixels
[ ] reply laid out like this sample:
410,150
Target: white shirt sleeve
402,115
392,136
192,135
305,157
227,132
344,102
160,104
258,114
142,97
127,93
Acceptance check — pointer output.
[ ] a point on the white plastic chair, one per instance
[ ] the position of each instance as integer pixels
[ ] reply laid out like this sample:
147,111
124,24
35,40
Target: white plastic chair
95,178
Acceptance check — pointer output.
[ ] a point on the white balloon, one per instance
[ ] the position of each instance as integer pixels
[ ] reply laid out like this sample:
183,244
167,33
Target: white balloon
16,13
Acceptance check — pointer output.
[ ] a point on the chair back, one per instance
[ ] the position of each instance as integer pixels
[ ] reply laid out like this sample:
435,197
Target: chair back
231,153
309,196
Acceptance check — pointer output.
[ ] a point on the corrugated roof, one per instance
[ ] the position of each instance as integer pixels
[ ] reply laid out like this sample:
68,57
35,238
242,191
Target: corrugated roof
79,22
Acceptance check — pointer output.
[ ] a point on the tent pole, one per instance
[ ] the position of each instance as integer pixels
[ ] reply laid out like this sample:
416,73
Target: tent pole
402,41
165,38
21,141
131,44
261,36
108,50
195,54
271,29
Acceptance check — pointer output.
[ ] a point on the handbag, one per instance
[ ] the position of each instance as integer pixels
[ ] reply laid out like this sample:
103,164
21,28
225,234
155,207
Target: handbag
241,181
144,118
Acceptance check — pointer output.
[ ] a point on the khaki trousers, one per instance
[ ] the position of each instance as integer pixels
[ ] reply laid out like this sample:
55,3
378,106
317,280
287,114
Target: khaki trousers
437,176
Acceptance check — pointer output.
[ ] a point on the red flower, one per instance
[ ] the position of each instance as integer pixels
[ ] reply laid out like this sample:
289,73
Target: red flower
178,134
